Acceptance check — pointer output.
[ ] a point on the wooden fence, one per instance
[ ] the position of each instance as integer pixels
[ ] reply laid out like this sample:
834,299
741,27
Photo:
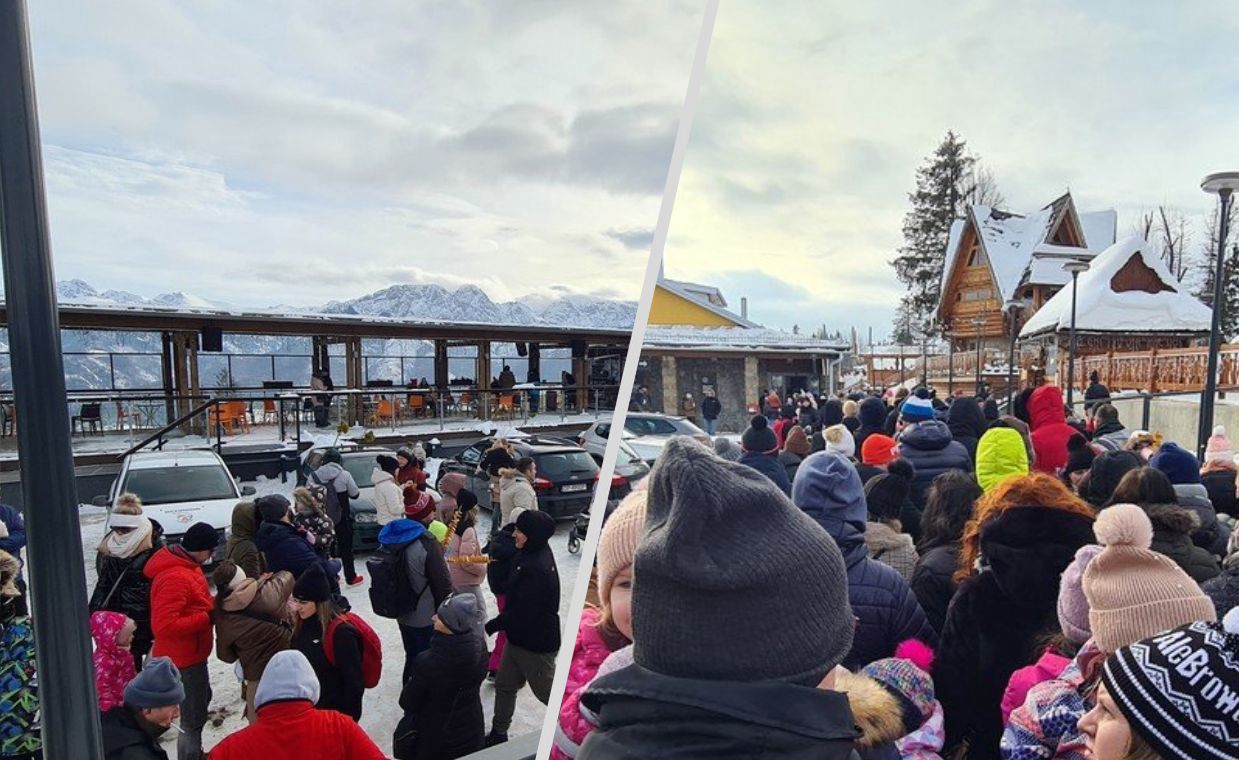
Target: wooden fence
1160,370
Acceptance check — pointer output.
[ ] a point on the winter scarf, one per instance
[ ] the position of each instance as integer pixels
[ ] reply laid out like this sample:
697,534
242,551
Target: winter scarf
128,544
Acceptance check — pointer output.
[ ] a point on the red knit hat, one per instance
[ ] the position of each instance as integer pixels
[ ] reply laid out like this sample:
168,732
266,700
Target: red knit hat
878,450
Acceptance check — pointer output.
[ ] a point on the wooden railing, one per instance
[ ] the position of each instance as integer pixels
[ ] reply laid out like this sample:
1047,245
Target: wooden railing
1159,370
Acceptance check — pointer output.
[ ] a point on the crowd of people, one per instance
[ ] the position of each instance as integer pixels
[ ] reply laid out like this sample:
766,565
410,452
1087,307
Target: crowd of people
909,577
269,602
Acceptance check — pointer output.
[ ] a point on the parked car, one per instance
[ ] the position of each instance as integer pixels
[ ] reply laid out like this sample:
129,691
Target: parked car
645,433
180,488
567,474
630,466
360,464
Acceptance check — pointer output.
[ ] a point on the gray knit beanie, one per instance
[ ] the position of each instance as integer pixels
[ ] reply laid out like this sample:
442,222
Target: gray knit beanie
734,583
158,685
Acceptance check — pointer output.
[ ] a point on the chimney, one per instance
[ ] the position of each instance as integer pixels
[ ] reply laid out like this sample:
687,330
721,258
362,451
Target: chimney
744,307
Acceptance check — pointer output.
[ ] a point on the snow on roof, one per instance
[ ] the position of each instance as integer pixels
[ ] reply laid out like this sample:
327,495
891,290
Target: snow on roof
1099,228
680,290
749,339
1100,309
709,292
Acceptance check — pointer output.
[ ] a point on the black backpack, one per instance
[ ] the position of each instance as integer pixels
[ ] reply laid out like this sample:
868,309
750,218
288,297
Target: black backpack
391,593
326,495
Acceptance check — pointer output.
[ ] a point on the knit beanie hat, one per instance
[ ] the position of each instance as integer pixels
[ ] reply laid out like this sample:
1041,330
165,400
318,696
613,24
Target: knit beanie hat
718,537
1219,449
850,408
127,504
759,437
200,537
459,612
1177,464
885,495
839,440
911,686
272,507
1072,604
1178,689
618,544
1132,591
916,409
1106,472
158,685
727,449
313,585
1080,454
796,441
387,463
878,449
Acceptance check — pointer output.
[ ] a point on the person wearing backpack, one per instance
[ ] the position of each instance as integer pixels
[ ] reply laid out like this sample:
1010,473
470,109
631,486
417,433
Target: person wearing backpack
408,580
339,487
283,546
252,622
334,643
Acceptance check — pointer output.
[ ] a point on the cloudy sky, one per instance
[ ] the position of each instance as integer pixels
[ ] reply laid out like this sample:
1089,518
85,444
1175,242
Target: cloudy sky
814,117
294,152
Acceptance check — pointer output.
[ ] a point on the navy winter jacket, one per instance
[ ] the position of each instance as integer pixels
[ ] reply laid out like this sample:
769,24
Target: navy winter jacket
286,549
770,466
16,541
828,489
932,450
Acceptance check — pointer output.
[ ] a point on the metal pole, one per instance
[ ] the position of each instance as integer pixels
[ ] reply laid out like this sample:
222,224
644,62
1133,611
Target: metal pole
69,709
1215,331
1071,351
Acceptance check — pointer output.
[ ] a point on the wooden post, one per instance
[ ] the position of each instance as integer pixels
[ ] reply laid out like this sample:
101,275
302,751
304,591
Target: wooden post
191,358
580,369
483,371
352,379
535,363
1153,370
442,378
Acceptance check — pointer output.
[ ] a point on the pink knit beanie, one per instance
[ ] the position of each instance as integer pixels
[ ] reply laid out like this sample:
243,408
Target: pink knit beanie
1219,449
618,544
1072,605
1133,592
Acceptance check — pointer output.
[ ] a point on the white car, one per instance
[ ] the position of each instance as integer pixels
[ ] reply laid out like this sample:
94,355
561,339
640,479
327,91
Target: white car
645,434
180,488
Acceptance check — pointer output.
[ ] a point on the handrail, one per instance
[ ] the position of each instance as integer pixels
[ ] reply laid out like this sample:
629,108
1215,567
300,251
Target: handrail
159,434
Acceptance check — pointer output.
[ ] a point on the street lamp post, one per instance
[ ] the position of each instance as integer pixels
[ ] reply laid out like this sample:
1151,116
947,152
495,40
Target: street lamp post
978,322
1074,267
1224,185
1012,308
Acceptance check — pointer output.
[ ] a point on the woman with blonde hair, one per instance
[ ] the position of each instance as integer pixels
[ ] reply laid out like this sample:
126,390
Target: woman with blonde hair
1022,536
122,555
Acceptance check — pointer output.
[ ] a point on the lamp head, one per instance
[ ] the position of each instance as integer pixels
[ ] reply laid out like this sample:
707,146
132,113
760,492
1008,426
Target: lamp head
1219,182
1075,266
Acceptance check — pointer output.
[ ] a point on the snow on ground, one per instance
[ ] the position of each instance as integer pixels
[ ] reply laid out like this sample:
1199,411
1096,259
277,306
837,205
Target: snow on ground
381,709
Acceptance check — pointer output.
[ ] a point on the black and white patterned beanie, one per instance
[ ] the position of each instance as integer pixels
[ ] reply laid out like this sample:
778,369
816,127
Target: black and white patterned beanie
1180,689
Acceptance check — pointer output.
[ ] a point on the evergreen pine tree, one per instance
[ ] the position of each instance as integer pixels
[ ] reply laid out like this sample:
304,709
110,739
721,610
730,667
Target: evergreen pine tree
1230,291
946,183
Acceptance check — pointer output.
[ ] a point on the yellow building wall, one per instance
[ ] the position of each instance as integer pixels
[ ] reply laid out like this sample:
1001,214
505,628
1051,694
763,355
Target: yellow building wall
668,308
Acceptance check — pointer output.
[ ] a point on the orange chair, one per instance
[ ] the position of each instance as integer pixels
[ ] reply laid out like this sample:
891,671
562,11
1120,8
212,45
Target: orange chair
219,417
384,410
507,405
239,411
269,413
417,405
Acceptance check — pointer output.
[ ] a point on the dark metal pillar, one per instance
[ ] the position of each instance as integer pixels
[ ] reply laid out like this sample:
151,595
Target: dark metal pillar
1071,352
1215,332
70,711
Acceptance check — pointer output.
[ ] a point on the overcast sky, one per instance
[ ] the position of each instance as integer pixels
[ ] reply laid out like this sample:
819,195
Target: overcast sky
814,117
295,152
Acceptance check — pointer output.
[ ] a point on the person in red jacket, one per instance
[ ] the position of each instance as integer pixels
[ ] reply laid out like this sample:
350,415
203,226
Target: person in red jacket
289,727
181,606
1050,431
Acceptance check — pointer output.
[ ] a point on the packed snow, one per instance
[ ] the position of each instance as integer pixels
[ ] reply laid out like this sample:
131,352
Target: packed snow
381,710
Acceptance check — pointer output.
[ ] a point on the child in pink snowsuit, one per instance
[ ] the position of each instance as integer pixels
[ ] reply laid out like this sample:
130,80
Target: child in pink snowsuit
113,634
606,630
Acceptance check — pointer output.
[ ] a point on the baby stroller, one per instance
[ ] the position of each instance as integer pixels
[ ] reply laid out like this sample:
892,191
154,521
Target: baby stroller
579,528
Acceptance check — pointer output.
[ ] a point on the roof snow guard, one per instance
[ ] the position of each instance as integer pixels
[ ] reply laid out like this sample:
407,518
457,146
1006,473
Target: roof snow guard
736,339
1127,289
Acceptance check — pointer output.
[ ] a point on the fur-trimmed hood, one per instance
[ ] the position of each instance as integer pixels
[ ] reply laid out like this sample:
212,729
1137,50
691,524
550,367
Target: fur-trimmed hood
1172,518
876,712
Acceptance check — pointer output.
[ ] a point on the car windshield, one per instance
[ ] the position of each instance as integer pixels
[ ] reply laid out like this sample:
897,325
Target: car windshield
688,428
362,469
168,485
566,465
629,452
649,426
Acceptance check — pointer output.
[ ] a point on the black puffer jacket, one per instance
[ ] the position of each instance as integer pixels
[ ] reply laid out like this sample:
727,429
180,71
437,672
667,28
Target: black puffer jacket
1172,535
770,466
132,594
643,714
1221,487
998,617
932,450
442,697
531,615
1211,535
932,583
502,551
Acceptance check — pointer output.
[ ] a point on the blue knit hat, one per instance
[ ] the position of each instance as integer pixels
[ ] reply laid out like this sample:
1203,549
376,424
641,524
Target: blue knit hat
1177,464
917,409
158,685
